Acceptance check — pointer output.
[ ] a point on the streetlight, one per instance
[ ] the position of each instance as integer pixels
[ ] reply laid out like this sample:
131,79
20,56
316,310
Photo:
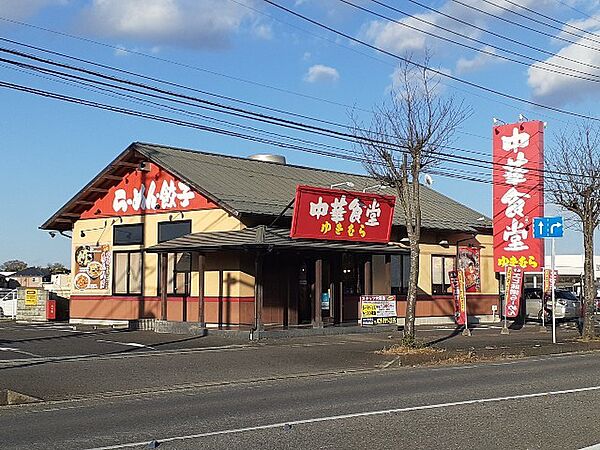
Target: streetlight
343,183
375,186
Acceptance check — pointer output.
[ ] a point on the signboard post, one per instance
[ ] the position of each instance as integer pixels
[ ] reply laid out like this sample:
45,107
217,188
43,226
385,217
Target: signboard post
550,227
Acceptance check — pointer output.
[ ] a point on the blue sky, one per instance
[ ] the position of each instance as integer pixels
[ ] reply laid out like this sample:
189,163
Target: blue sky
50,149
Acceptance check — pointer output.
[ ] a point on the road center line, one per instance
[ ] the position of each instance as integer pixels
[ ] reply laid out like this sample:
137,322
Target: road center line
352,416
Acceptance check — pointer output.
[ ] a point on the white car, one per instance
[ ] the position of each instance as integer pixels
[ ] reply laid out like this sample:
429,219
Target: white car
8,303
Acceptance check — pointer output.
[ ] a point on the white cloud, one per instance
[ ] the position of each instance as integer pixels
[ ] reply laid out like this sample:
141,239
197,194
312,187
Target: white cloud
320,73
464,65
557,89
415,80
206,24
21,9
121,51
399,39
263,31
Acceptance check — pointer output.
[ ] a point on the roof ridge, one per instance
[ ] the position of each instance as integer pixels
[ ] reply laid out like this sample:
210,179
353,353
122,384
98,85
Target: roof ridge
245,158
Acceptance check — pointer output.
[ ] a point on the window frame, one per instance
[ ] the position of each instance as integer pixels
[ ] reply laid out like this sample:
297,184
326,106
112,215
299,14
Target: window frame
402,289
120,226
170,222
444,274
114,272
171,290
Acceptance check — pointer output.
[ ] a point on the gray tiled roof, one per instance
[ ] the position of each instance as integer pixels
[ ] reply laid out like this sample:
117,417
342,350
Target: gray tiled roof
263,236
247,186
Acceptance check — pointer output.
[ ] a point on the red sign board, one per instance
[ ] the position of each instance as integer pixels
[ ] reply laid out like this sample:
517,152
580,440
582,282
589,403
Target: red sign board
512,294
459,295
518,195
334,214
147,192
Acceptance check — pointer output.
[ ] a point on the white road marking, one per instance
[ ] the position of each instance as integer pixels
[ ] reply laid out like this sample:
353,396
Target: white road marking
16,350
592,447
352,416
129,344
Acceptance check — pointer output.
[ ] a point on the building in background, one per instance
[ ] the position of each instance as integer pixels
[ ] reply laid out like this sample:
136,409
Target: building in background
180,235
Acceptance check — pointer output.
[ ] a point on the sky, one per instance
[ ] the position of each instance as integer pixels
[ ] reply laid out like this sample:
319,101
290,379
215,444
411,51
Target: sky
251,51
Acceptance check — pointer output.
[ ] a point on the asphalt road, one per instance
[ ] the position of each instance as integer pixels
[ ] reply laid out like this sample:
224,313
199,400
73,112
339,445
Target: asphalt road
547,402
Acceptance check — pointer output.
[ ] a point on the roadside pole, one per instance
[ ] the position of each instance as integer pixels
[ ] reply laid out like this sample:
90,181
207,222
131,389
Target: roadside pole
552,282
505,326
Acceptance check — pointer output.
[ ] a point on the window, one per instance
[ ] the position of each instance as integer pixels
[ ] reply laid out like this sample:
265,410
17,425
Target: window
400,272
440,280
127,270
128,234
179,267
172,230
179,264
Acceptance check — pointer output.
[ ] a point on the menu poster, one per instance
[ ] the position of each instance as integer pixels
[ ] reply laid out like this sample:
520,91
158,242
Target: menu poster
92,267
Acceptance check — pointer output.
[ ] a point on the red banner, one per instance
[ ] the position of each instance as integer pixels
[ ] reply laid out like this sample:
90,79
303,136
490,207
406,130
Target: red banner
469,261
549,281
512,294
333,214
518,195
147,192
459,295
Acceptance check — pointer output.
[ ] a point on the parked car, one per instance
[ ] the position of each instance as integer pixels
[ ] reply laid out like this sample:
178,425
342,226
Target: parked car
8,302
568,306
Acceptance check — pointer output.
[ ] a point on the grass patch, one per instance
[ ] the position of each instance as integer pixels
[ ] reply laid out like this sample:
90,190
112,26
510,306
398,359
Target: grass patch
402,350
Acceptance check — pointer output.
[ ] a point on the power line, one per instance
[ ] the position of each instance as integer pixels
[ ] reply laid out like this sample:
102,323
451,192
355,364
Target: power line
268,119
177,63
158,80
429,69
492,33
206,104
525,27
479,50
562,30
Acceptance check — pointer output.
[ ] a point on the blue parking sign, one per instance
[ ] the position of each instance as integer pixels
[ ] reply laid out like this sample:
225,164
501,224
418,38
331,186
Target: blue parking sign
548,227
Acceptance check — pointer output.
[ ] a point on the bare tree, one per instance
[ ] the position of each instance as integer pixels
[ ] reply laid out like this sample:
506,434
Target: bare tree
404,137
573,183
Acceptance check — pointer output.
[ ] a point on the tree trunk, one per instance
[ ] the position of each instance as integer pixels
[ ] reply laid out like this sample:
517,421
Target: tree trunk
411,296
589,285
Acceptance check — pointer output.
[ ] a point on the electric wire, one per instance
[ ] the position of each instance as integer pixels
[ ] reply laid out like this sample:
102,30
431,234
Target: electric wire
541,64
430,69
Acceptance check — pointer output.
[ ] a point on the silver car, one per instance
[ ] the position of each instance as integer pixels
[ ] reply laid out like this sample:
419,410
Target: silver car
568,306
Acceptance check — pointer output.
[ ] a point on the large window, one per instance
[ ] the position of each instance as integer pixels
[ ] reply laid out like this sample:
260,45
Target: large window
440,280
179,267
128,270
128,234
400,272
172,230
179,264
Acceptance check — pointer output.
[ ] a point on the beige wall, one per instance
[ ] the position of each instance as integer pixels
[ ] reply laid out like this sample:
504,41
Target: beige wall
100,231
489,284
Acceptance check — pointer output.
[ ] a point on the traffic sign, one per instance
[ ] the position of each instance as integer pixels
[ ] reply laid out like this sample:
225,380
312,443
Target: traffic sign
548,227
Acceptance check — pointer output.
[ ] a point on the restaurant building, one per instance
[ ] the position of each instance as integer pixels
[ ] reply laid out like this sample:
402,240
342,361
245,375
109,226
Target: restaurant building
188,236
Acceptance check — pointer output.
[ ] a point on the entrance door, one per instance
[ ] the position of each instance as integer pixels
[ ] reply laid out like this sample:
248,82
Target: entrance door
306,281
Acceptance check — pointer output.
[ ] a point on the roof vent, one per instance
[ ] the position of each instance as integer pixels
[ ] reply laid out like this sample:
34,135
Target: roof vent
278,159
